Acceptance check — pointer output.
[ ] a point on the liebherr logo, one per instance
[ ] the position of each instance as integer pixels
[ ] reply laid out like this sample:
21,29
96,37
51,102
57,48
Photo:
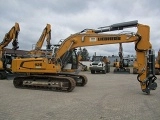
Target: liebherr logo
108,38
93,39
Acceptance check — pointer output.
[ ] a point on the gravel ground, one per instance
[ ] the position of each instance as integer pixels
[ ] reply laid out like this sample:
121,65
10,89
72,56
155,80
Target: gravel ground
105,97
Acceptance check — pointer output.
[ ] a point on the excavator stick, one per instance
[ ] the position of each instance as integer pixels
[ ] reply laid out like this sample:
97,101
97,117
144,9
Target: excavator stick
150,80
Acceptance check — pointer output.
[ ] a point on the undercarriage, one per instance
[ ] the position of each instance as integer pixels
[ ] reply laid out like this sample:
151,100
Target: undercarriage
55,82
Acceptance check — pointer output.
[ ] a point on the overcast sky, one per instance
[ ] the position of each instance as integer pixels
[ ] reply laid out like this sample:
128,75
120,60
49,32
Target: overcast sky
71,16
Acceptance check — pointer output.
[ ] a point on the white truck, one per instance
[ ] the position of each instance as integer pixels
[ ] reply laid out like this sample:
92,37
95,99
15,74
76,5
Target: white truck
99,65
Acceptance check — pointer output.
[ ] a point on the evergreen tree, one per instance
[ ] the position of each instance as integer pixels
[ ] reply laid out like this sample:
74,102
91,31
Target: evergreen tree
84,53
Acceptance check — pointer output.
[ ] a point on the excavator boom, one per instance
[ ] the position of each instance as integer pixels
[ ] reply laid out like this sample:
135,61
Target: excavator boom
11,35
46,34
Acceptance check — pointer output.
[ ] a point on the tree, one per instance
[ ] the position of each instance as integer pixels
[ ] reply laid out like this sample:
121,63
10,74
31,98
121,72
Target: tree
84,54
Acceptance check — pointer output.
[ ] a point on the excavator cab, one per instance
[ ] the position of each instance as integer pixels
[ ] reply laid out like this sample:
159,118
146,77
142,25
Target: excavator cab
69,61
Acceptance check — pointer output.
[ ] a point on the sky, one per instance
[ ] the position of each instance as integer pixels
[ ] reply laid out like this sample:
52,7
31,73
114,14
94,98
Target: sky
71,16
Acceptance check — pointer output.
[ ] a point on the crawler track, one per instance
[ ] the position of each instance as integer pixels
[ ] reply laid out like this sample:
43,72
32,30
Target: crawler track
56,83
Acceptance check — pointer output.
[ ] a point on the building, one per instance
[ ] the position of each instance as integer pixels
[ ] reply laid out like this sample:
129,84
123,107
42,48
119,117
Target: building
15,52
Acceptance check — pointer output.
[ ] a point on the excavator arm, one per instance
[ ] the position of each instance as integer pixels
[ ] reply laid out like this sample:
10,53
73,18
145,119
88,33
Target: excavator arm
11,35
46,34
91,37
145,54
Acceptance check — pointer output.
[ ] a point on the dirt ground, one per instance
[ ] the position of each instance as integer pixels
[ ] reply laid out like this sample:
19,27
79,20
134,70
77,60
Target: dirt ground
105,97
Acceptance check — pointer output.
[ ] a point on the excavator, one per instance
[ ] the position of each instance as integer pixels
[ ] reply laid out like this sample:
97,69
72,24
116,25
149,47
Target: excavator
11,35
122,65
46,34
46,72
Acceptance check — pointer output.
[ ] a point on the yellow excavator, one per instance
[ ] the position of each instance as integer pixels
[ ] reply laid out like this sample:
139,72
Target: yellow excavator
46,35
122,65
11,35
46,72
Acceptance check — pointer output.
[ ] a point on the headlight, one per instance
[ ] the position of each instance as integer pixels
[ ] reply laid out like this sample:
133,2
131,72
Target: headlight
99,64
